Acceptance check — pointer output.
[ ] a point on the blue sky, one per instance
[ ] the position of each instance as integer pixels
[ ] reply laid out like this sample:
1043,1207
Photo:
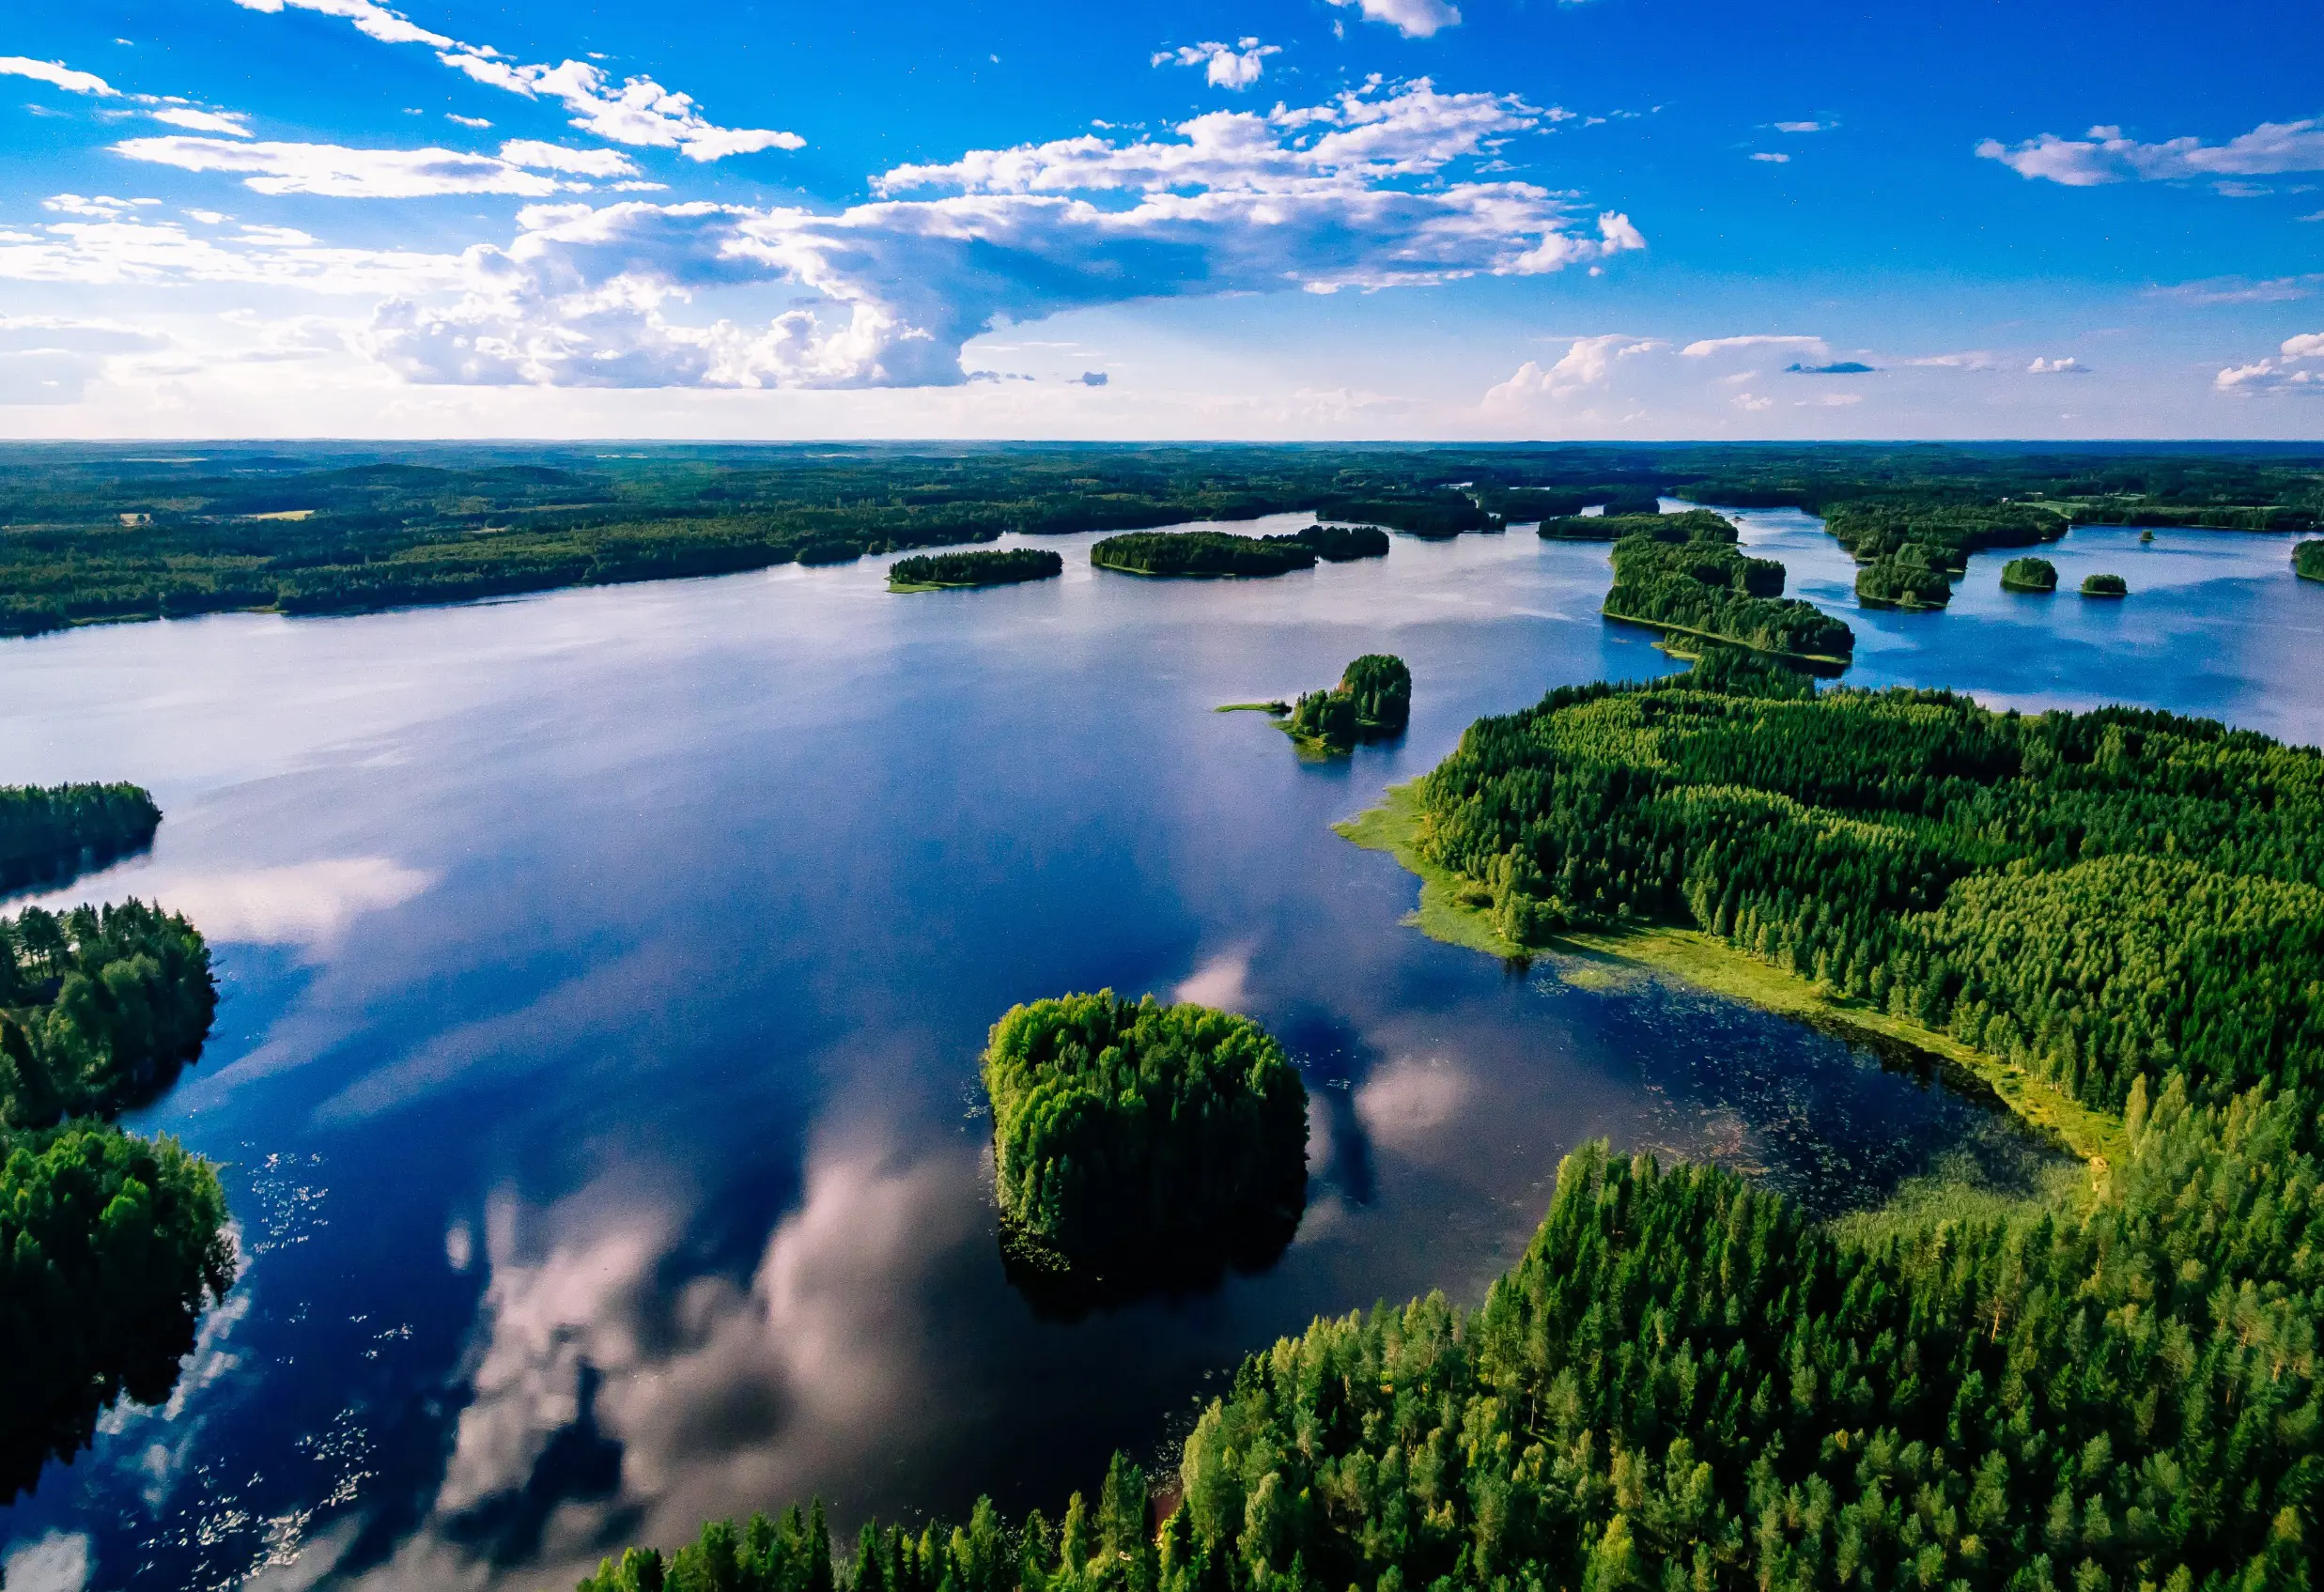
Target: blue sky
1383,218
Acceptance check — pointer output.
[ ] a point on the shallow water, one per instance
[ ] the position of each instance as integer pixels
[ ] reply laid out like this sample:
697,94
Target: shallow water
605,972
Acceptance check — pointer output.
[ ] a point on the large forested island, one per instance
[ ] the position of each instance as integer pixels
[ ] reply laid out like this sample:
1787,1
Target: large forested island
1201,553
1681,573
110,1245
986,566
1125,1128
1687,1384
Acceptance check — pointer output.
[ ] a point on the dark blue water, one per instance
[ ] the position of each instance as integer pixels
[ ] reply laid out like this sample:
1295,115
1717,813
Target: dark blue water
605,973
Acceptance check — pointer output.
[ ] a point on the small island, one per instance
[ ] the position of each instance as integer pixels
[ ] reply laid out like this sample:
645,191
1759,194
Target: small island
1685,576
1913,575
1201,553
2029,575
1372,702
2308,561
1341,544
1128,1132
985,566
2105,586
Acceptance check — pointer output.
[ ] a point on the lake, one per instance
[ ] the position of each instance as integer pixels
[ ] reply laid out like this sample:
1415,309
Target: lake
604,975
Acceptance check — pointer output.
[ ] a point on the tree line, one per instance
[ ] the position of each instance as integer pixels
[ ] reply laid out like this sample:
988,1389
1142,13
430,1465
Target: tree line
1121,1125
50,830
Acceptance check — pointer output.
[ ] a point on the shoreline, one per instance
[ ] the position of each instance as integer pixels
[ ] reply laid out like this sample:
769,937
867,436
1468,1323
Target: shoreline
1708,964
1819,659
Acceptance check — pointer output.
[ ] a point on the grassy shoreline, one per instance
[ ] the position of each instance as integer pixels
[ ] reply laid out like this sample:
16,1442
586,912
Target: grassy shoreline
1820,660
1709,963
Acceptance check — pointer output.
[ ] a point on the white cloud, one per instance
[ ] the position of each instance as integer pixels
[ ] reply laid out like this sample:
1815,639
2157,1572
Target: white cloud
1973,359
303,903
1770,157
1238,202
103,206
1228,66
2240,290
555,157
640,111
2277,375
2069,365
1752,403
58,75
1587,361
337,172
232,124
51,333
2106,155
1413,19
124,249
479,122
1829,401
1806,126
1813,347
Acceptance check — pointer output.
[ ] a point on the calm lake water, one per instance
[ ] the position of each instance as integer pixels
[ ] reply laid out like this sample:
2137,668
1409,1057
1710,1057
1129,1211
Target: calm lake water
604,975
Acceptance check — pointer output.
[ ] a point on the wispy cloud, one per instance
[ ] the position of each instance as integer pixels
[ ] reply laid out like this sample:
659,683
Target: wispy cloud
1806,126
228,122
639,112
1226,66
2291,371
1413,19
1770,157
1703,348
336,172
58,75
2242,290
2104,155
2067,365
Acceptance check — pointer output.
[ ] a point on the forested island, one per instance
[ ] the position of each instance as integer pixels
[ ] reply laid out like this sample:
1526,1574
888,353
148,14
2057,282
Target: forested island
98,533
1687,1384
1683,573
53,831
933,572
2029,575
1342,543
2308,561
110,1245
1126,1130
1372,702
1201,553
2105,586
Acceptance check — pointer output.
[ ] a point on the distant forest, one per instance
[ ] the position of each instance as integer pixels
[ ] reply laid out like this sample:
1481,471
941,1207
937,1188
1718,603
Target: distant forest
112,533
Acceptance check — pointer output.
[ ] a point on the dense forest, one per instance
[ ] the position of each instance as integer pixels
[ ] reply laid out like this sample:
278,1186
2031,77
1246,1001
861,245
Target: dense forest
1614,527
51,831
110,1245
1342,543
109,532
1201,553
1372,702
2308,559
1123,1128
1683,572
2029,575
1915,575
2105,586
991,567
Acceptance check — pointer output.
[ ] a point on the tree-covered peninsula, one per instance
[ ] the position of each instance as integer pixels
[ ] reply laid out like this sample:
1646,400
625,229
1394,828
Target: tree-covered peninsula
1685,575
50,831
2105,586
1125,1129
1201,553
2308,561
110,1245
2029,575
985,566
1372,702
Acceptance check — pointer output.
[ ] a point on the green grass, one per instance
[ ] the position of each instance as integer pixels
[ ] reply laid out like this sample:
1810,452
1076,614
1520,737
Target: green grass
1252,707
1457,911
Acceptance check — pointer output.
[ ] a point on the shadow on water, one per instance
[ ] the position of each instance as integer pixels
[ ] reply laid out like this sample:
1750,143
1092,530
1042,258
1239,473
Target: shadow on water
1176,1269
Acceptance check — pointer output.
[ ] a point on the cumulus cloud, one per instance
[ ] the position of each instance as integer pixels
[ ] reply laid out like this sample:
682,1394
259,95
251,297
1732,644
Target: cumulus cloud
639,112
1318,198
2104,155
1587,361
1752,403
57,74
1226,66
232,124
2288,372
1413,19
2069,365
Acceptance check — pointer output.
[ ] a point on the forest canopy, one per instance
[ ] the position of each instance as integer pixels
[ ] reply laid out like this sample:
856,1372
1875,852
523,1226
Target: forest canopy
985,567
1122,1126
2308,559
1342,543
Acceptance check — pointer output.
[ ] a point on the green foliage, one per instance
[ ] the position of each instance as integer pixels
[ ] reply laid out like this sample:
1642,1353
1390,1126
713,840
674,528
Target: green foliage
1904,581
1516,505
1374,699
1118,1125
1686,573
1687,525
2105,586
1948,532
2308,561
988,567
46,831
1441,513
2030,575
1342,543
110,1246
1201,552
